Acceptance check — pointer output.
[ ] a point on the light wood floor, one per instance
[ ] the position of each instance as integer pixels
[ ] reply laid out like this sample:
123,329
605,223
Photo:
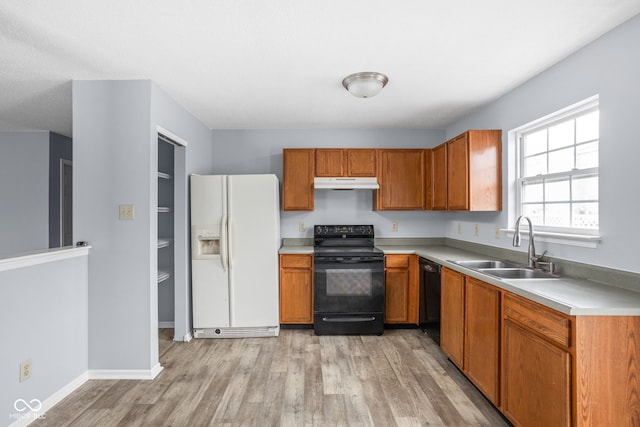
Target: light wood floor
400,378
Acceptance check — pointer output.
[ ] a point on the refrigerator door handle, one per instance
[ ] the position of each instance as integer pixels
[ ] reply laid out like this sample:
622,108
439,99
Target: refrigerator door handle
229,248
223,244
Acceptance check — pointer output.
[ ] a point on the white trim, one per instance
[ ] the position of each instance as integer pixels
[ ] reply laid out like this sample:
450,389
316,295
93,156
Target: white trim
51,401
125,374
166,325
581,240
188,337
42,257
171,135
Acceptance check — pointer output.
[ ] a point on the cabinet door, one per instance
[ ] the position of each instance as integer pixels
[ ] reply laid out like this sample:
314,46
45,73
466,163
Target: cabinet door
485,170
452,315
329,162
458,173
297,179
439,177
536,379
482,337
361,162
401,176
396,295
296,289
402,289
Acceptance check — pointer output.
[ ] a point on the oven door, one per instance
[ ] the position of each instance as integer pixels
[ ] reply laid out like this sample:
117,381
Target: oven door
348,285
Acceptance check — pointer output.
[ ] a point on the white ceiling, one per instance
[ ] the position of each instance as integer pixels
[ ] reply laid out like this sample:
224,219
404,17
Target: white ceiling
252,64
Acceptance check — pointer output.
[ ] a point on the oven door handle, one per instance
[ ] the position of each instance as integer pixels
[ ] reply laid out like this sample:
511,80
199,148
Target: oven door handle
348,319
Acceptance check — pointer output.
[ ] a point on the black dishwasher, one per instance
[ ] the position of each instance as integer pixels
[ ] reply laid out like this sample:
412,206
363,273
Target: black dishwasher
430,298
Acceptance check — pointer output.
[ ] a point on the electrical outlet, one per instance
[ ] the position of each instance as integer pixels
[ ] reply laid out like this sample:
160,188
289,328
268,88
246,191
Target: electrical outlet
497,231
476,230
394,225
459,228
301,226
25,370
127,212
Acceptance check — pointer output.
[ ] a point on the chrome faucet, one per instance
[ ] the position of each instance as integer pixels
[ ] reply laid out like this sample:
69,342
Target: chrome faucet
531,252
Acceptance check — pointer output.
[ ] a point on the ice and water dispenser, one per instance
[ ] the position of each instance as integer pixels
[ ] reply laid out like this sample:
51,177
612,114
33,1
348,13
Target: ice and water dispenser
205,242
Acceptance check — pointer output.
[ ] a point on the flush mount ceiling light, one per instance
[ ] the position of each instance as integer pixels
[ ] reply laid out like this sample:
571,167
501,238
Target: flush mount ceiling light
365,84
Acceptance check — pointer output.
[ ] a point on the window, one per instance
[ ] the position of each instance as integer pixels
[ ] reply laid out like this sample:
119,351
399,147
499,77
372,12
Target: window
557,186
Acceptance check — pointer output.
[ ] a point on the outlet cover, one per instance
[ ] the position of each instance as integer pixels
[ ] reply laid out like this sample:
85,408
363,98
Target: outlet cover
394,225
25,370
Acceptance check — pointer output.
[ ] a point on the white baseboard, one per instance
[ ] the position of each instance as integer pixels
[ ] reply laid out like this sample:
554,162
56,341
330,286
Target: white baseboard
125,374
166,325
185,338
26,418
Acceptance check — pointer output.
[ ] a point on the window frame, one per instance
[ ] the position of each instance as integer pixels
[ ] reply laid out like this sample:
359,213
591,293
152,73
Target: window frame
570,113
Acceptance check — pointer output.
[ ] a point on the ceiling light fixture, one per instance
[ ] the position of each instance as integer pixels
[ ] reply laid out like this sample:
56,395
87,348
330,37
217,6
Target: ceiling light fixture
365,84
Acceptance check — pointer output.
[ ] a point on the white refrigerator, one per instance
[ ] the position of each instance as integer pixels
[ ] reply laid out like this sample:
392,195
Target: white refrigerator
235,237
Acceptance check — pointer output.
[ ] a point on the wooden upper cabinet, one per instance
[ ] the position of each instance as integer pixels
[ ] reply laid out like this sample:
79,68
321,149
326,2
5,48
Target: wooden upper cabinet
330,162
339,162
298,165
401,175
474,171
361,162
439,177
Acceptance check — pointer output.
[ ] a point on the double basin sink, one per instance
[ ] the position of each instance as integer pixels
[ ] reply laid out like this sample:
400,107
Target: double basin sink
505,269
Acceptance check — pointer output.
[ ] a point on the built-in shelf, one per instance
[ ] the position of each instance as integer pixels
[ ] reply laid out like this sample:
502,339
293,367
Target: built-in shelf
163,275
164,209
164,242
164,175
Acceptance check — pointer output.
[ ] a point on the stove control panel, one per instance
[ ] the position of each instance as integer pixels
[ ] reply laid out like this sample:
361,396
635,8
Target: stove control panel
343,231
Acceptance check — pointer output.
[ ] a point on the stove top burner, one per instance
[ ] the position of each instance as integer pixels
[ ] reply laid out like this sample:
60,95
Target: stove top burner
345,240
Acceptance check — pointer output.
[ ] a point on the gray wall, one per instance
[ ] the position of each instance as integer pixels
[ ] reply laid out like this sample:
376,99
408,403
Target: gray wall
610,67
43,311
24,190
115,162
260,151
111,152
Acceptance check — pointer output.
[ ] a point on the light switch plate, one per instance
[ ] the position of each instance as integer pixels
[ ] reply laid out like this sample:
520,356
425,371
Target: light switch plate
127,212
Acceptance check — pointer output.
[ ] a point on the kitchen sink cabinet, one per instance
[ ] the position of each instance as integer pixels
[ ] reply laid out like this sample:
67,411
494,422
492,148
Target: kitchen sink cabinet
343,162
467,172
470,329
536,368
401,175
402,290
296,289
452,315
482,337
298,165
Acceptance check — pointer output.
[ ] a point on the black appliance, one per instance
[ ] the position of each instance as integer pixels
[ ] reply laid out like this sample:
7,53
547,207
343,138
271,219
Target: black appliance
430,298
348,281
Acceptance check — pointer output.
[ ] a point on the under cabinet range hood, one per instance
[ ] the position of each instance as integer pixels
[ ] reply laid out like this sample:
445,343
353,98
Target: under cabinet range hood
346,183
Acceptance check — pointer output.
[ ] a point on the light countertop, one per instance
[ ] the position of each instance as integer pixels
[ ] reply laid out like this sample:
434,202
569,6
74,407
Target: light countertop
575,297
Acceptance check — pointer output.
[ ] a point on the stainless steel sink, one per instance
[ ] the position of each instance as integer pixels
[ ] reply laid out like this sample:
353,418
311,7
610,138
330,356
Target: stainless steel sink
476,264
517,273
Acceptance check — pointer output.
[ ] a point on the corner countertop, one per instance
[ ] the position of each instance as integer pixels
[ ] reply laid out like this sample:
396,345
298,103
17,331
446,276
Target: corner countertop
574,297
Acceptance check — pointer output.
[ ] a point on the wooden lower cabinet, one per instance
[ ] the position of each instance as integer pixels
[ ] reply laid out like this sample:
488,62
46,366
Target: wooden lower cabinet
452,315
402,289
537,379
482,337
296,289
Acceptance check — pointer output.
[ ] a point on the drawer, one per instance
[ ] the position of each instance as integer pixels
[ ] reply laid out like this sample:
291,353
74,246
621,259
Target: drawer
396,261
550,324
295,261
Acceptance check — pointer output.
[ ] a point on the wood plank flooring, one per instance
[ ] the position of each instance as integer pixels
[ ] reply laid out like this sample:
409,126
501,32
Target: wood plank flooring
297,379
